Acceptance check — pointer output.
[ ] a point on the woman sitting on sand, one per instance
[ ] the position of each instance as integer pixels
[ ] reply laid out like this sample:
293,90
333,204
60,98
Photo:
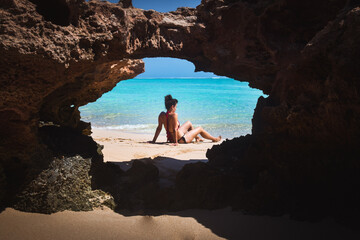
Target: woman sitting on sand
176,133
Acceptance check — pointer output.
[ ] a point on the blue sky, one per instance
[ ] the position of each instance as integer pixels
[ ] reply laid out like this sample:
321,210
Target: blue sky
167,67
162,5
171,67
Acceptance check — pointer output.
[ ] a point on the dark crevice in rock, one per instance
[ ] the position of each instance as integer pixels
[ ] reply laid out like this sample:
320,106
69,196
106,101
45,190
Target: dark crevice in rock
125,3
65,141
56,11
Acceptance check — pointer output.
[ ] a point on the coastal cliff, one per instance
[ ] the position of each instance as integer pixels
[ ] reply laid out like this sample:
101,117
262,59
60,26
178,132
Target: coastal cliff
301,157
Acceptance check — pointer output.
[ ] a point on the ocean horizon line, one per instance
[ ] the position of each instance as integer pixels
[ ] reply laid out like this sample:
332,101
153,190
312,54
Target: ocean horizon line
220,77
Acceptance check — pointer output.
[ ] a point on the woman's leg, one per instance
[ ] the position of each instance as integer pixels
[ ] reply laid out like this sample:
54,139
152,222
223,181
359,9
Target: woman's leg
187,127
199,130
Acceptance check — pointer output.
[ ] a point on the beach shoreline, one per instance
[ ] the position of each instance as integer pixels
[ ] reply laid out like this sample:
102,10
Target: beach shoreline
121,146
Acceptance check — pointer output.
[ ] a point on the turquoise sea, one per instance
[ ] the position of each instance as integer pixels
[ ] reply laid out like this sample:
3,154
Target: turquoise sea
222,106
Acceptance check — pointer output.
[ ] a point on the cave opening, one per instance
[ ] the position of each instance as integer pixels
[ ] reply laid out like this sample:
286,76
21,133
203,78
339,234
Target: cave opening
219,104
124,119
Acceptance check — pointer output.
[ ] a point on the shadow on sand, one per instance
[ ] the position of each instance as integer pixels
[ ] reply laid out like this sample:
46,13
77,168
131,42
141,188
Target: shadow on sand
168,168
236,225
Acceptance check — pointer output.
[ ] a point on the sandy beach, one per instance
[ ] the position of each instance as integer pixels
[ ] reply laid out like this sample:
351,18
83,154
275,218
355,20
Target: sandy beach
190,224
121,148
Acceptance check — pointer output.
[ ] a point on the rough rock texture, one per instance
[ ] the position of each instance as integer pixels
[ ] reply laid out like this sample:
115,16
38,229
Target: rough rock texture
65,185
304,54
302,156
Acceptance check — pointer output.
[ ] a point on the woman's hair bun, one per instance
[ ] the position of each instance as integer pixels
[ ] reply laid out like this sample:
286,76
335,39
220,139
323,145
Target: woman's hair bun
169,101
168,97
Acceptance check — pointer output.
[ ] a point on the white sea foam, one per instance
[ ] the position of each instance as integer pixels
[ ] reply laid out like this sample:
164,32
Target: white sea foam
127,127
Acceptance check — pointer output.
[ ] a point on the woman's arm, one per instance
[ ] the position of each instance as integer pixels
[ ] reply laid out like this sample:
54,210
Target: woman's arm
158,130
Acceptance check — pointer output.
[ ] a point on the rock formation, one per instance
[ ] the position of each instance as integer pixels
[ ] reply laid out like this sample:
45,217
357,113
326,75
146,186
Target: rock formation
65,185
302,155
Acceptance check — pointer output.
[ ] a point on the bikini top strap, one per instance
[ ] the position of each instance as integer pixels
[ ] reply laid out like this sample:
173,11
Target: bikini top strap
167,119
168,135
